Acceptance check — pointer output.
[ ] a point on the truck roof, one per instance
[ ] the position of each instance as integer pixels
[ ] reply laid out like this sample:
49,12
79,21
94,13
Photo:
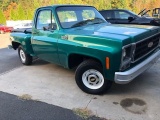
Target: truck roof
65,5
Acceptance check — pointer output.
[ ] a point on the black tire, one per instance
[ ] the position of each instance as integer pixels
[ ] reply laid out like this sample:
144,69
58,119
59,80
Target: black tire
91,66
26,59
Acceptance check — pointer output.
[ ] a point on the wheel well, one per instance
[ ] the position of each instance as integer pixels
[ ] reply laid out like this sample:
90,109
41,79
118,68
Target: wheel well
15,45
75,59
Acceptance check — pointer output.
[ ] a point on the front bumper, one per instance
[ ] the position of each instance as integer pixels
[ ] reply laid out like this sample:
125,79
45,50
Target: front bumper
129,75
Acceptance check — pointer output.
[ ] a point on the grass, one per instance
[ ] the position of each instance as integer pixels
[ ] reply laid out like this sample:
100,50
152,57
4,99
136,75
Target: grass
25,97
82,112
86,114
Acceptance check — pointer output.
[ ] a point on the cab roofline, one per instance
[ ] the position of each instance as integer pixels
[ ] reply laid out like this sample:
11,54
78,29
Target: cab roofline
64,5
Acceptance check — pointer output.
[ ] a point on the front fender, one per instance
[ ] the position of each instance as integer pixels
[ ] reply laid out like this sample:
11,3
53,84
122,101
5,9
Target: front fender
98,52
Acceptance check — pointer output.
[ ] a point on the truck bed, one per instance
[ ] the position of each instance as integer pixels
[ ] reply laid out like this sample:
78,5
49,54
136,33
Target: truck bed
23,30
22,37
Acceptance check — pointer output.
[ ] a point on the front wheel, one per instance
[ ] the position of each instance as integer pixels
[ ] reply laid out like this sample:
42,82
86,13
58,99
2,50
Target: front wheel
90,79
25,58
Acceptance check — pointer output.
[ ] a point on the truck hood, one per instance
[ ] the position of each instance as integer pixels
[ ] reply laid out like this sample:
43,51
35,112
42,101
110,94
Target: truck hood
124,30
116,32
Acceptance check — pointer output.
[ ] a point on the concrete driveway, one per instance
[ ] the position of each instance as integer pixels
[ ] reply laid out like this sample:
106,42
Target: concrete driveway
49,83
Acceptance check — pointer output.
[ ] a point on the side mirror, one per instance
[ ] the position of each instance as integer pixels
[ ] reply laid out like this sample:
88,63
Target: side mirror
130,19
50,27
45,28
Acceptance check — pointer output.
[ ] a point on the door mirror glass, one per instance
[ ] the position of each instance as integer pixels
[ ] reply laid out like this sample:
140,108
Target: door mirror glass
131,18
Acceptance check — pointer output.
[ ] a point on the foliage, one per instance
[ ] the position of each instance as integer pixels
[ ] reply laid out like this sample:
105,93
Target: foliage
2,18
24,9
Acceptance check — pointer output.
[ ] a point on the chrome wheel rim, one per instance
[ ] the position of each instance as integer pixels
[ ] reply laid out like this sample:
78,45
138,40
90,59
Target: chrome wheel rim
22,56
93,79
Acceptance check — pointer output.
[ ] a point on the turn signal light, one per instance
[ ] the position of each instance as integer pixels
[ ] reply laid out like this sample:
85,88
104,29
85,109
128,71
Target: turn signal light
107,63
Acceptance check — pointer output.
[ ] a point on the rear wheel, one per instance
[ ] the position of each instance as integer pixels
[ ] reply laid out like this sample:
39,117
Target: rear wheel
25,58
90,79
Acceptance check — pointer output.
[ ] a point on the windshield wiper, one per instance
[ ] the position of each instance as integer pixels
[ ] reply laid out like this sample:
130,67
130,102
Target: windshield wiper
88,22
98,21
81,23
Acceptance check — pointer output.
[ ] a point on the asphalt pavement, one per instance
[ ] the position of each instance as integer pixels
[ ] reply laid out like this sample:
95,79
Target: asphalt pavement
8,60
13,108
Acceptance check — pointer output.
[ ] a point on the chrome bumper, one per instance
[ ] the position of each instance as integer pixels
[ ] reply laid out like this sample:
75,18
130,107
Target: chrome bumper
128,76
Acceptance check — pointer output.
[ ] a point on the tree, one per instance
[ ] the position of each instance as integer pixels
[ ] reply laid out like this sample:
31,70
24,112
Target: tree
2,18
13,14
116,4
21,13
24,9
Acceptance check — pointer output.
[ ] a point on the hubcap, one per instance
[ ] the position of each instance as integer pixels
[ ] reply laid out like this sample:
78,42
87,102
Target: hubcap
22,55
93,79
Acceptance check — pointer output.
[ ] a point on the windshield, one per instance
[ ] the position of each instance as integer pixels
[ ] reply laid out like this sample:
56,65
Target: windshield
70,17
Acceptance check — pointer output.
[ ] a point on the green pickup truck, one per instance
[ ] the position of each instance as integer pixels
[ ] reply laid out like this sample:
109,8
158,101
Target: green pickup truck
77,36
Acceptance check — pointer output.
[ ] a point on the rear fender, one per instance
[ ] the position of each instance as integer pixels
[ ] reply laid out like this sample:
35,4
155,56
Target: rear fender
25,42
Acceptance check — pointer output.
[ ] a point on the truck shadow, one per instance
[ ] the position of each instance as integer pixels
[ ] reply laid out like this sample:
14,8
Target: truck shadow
38,62
144,83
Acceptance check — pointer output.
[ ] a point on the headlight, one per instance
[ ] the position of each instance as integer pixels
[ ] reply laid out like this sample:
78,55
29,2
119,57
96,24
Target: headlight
127,54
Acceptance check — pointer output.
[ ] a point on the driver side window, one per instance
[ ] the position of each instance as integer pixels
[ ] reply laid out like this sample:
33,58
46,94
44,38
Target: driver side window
45,20
121,15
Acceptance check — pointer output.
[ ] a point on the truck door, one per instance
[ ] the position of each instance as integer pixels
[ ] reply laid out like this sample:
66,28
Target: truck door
45,36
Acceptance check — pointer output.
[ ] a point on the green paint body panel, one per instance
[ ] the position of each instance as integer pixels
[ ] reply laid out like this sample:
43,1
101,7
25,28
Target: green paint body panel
97,41
24,40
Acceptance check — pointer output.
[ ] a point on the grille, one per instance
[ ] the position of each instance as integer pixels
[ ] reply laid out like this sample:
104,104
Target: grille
146,46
